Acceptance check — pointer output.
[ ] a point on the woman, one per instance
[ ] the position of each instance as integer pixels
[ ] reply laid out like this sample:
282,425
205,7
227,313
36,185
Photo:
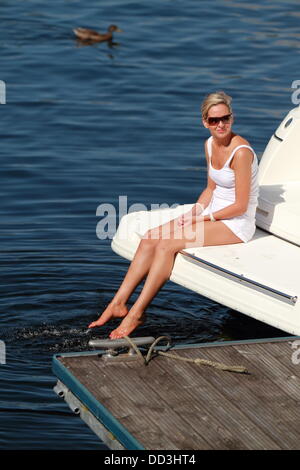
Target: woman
224,214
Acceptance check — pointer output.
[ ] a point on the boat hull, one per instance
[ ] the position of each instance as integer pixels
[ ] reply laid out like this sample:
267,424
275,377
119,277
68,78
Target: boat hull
259,278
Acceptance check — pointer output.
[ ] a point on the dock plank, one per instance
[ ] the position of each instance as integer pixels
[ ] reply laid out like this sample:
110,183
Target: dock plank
145,383
130,403
263,402
188,406
175,405
221,407
163,414
119,400
279,370
206,416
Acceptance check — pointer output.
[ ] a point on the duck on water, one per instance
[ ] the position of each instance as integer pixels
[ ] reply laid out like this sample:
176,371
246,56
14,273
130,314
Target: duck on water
89,35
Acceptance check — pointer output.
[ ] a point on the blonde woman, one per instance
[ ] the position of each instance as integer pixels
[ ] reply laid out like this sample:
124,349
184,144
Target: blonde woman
223,214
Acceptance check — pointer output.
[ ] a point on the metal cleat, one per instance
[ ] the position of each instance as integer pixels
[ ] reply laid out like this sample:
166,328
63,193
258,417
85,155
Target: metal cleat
112,347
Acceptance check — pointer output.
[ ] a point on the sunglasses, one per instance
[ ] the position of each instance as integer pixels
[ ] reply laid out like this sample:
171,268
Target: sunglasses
213,121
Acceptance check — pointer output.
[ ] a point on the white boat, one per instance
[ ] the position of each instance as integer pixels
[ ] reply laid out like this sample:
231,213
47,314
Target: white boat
260,278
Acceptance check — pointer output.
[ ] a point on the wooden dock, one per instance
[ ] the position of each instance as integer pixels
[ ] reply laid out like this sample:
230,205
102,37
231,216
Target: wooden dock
174,405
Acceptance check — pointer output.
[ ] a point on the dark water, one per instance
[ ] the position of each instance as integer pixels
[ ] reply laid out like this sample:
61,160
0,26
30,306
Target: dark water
83,125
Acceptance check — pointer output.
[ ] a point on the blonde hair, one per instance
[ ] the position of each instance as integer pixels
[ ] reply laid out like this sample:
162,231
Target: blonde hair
219,97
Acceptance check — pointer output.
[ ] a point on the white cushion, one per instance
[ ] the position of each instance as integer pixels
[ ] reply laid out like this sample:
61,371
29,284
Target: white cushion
278,210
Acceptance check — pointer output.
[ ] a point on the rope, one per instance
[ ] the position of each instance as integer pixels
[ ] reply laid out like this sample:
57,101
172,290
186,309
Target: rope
198,361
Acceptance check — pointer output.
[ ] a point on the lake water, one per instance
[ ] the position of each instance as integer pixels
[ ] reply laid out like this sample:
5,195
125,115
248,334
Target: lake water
84,125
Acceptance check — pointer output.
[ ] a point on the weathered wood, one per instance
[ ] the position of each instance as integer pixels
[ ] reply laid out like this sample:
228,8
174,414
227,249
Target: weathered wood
262,402
171,404
210,394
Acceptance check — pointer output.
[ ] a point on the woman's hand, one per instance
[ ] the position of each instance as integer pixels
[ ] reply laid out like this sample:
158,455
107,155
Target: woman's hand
185,219
190,216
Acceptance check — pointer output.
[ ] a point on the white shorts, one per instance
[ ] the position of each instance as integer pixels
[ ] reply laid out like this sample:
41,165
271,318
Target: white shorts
243,226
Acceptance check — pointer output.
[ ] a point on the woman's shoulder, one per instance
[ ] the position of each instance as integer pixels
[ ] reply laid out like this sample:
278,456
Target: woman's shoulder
242,155
207,145
209,139
238,140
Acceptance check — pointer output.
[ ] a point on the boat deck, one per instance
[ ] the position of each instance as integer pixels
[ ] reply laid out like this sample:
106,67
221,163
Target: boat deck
259,279
171,404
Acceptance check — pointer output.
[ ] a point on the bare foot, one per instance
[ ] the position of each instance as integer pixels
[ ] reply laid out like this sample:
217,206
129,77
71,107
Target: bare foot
127,326
112,311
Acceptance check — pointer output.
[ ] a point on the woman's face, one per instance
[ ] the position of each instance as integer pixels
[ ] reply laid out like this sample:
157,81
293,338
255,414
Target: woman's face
219,128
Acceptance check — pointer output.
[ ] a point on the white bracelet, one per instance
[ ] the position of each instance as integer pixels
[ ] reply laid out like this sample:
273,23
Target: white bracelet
212,217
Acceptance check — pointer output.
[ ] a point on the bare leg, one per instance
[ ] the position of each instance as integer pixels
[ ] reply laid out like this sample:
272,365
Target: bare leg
215,233
137,271
159,273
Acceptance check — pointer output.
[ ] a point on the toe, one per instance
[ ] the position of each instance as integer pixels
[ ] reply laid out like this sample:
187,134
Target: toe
112,335
115,334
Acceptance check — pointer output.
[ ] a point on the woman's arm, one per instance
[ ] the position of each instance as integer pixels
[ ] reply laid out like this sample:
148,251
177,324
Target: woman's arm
206,195
242,168
204,198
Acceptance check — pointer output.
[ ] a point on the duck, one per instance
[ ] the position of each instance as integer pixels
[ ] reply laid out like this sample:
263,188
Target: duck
85,34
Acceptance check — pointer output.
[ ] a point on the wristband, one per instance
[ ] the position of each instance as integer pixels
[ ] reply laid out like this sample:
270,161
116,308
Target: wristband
212,217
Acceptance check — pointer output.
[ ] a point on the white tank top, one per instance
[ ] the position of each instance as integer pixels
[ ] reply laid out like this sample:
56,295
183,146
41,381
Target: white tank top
225,176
